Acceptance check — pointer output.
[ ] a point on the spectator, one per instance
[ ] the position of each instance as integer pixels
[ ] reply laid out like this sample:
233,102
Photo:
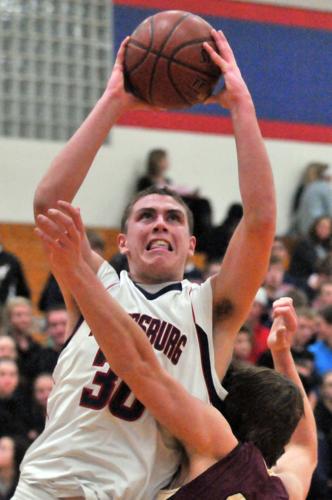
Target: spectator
303,358
212,267
280,251
275,282
19,322
316,200
243,345
305,331
311,173
255,322
156,168
310,251
42,387
299,297
325,268
120,262
8,347
193,273
12,278
56,331
322,348
13,402
11,454
51,295
219,236
322,481
324,297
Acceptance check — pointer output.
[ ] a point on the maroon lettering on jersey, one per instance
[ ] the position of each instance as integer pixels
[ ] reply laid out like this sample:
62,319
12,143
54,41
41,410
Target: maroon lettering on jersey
144,321
164,336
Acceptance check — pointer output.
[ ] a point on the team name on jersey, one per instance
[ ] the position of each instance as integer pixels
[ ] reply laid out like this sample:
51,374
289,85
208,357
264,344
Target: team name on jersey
163,336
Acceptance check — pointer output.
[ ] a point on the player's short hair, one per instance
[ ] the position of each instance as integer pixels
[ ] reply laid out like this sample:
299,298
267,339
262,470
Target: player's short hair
262,407
165,191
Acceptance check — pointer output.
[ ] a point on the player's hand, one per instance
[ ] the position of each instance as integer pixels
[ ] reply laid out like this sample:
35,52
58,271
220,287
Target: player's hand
63,236
284,325
235,89
116,84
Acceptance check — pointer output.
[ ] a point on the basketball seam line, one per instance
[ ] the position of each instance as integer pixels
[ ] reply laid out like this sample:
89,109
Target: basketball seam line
177,24
170,76
147,49
171,57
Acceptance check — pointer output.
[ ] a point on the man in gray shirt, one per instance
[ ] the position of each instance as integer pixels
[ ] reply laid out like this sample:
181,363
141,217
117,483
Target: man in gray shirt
316,201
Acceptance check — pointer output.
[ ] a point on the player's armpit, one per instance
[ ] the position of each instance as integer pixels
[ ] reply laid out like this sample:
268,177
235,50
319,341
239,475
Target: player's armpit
241,274
295,468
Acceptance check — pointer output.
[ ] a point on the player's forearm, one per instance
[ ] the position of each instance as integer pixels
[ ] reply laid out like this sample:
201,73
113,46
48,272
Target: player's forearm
255,174
305,432
122,341
70,167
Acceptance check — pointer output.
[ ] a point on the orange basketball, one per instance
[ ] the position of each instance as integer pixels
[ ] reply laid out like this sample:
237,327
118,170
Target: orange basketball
165,62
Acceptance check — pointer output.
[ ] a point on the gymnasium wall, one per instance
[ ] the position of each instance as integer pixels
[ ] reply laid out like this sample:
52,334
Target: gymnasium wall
286,57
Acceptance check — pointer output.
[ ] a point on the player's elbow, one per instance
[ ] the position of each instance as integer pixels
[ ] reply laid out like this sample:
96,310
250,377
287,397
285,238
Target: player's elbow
261,223
40,202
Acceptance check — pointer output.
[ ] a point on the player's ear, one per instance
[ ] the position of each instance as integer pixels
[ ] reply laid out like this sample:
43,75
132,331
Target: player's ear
192,245
122,243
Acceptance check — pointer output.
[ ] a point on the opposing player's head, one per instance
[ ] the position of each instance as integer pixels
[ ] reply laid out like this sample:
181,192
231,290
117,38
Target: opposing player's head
263,407
157,236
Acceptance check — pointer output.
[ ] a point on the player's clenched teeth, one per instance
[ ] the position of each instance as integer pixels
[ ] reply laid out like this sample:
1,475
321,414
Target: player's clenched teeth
159,244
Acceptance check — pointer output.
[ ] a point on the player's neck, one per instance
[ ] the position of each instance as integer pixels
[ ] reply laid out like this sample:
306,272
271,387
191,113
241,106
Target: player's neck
143,280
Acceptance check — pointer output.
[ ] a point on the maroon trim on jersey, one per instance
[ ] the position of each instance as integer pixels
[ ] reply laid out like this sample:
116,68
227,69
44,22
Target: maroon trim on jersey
111,285
76,327
152,296
206,367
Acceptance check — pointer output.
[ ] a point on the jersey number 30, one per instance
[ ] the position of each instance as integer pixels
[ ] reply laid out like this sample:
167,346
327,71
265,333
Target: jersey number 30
107,394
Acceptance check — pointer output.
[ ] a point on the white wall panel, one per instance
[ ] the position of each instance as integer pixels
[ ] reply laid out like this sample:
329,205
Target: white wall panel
202,160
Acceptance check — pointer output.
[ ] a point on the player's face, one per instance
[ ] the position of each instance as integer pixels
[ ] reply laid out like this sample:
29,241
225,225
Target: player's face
157,242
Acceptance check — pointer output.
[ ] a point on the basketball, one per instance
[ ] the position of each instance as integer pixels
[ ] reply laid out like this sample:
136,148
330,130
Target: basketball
165,62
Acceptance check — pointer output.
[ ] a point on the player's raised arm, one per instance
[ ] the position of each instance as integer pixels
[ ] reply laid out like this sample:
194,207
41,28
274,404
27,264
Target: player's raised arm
247,256
70,167
126,346
296,465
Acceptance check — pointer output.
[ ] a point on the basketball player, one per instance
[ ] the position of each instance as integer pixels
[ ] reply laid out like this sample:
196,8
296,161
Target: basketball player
99,440
265,408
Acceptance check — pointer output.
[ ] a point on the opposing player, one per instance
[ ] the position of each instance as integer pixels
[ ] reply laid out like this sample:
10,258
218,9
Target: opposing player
263,408
99,439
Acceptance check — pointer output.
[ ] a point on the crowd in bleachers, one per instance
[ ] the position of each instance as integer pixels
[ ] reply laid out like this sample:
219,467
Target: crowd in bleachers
300,267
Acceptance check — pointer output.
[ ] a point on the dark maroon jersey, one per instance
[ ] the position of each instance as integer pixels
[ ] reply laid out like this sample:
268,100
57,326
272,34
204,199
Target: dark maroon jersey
241,471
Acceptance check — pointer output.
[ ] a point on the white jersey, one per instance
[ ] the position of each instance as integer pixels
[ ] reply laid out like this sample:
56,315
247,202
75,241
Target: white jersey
99,441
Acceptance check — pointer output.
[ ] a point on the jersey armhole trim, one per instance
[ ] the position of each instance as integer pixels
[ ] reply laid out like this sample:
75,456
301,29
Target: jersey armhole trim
76,327
203,343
